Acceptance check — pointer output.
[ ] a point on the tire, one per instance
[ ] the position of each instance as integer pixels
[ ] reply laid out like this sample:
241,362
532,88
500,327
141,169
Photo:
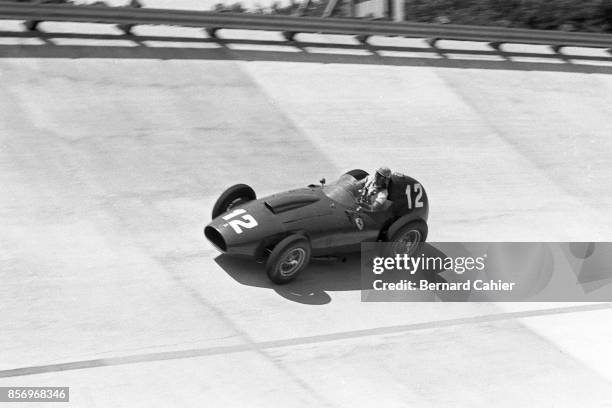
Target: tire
414,233
358,174
288,258
235,195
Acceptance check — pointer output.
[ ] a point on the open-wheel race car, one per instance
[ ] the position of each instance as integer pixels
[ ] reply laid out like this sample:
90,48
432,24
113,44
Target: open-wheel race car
287,229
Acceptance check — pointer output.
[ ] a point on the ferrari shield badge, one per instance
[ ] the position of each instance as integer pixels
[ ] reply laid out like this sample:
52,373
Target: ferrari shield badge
359,223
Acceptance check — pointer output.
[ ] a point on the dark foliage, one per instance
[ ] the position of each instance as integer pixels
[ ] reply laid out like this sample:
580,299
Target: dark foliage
585,15
568,15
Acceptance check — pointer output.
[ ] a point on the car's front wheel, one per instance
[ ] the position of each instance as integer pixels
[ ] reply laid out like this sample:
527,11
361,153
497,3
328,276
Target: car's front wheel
358,174
233,196
288,258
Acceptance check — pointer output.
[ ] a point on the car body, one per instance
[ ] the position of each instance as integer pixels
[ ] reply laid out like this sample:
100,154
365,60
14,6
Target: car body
328,216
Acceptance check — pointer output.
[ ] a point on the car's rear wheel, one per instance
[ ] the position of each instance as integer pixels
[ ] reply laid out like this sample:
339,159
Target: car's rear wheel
288,258
409,238
358,174
233,196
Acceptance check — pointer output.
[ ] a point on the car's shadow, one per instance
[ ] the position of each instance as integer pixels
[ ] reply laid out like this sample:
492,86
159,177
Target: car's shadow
314,284
310,287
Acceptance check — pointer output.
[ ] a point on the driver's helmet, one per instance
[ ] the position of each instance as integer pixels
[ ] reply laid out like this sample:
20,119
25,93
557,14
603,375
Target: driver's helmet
384,172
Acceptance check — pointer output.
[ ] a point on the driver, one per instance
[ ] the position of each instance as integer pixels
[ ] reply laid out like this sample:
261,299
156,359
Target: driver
373,189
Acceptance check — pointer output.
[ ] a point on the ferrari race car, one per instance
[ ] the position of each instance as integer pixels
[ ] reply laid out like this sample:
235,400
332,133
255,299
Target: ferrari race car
286,230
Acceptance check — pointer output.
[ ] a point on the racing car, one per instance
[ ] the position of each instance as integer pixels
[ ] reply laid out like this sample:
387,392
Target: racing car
288,229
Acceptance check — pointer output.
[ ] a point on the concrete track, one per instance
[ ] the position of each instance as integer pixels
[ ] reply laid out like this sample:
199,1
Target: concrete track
110,164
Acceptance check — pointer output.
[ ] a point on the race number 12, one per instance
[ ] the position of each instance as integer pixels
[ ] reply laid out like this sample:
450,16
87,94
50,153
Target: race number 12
245,221
418,189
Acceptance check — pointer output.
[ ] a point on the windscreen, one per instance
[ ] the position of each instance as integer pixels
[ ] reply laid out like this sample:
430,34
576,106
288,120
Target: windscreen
342,191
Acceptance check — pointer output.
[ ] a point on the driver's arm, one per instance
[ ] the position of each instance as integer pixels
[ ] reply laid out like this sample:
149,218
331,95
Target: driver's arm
378,202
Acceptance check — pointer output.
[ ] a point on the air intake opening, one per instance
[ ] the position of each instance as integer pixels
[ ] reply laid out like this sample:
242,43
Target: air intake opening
215,237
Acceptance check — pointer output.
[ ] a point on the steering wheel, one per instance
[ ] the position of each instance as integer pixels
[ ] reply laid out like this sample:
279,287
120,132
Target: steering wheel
362,203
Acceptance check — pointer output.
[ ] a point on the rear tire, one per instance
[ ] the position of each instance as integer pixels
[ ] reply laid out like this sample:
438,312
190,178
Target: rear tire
233,196
358,174
409,238
288,258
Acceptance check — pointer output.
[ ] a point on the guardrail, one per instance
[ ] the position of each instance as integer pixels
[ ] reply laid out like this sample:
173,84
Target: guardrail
291,25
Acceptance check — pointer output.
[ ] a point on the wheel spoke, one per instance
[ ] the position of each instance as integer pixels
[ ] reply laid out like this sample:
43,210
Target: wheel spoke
292,262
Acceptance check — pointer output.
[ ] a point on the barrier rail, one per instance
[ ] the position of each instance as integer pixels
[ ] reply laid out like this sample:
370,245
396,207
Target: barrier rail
292,25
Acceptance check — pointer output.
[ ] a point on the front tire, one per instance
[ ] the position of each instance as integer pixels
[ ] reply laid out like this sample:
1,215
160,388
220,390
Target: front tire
288,258
233,196
358,174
